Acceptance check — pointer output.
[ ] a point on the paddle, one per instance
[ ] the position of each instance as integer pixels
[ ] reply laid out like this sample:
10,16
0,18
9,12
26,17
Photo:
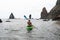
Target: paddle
34,27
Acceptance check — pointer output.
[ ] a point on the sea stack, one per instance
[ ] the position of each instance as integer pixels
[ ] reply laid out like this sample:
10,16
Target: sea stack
11,16
54,14
44,13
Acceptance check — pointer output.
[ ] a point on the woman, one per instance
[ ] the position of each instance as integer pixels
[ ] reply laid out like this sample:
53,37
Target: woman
29,23
29,26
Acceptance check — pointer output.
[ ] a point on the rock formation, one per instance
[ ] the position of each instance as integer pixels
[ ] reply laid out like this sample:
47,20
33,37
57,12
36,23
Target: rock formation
58,2
44,13
0,21
11,16
55,12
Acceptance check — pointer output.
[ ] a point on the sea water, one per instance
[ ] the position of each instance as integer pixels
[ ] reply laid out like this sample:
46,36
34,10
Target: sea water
16,30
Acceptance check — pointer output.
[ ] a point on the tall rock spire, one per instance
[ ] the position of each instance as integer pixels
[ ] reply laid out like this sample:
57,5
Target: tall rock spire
58,2
44,13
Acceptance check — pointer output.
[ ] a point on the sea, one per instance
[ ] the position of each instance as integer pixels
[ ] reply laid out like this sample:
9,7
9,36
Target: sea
15,29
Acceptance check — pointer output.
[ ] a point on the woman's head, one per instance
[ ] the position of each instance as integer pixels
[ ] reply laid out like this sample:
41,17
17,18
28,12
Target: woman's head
29,20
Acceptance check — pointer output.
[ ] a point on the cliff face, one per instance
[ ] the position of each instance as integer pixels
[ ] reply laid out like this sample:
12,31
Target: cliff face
58,2
55,12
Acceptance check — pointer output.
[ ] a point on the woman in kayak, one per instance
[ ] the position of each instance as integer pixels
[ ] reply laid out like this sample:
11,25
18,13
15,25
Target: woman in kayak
29,26
29,23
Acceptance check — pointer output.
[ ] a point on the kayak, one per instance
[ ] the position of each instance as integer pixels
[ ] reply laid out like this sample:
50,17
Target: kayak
29,28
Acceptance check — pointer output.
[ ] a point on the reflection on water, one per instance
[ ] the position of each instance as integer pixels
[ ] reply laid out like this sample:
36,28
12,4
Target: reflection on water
16,30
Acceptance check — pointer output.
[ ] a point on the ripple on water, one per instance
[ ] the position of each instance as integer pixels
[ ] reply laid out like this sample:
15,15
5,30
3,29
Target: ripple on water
8,38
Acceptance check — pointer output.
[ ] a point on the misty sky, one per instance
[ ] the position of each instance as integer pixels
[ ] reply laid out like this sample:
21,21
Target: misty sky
24,7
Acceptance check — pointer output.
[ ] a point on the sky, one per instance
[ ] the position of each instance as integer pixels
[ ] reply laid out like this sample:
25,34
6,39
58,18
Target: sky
24,7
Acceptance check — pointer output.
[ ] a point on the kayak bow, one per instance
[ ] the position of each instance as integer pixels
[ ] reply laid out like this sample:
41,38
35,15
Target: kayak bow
29,28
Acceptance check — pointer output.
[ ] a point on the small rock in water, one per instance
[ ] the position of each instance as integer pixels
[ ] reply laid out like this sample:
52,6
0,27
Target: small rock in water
0,21
8,21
